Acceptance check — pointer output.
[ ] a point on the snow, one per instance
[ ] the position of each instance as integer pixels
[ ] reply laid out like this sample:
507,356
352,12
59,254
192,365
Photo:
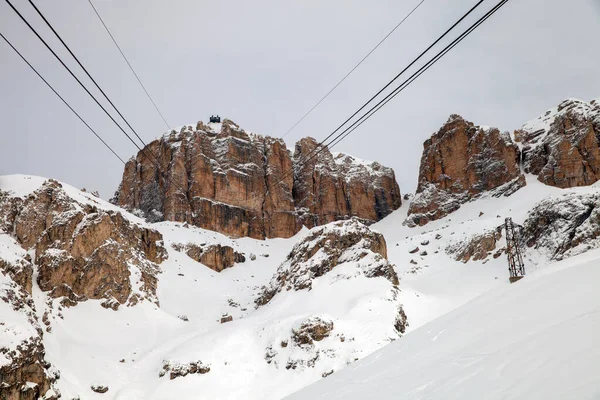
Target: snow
14,327
536,339
471,334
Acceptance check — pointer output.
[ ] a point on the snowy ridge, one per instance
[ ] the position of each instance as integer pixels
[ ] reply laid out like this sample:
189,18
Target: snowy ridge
537,130
351,168
19,185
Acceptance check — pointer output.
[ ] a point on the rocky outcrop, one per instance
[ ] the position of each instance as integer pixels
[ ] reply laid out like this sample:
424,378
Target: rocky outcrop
564,226
27,375
326,248
561,147
223,178
176,370
329,186
86,252
460,162
312,329
215,256
9,207
478,247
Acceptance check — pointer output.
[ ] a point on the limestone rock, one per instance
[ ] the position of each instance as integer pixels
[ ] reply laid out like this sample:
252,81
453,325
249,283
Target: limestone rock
476,248
215,256
83,251
9,207
312,329
460,162
243,184
561,146
564,226
323,249
177,370
329,186
24,372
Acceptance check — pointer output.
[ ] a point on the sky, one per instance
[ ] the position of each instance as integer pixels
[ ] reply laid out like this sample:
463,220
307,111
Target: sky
264,63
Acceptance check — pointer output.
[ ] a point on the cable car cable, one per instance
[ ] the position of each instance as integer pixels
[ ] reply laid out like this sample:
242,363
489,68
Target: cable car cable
129,64
61,98
354,68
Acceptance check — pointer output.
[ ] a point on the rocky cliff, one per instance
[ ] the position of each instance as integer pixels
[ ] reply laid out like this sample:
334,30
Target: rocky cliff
220,177
82,251
561,147
460,162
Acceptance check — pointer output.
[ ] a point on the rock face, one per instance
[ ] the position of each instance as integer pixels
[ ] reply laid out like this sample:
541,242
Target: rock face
330,186
478,247
324,249
215,256
222,178
85,252
561,146
564,226
460,162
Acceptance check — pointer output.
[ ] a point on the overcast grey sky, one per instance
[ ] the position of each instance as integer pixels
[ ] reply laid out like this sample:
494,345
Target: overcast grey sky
264,63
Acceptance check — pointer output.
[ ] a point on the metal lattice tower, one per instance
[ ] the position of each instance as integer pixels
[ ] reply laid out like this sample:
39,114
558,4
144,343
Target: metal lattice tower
516,268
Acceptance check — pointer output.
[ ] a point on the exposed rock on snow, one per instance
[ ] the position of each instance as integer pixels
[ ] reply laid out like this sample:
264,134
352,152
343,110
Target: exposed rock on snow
477,247
83,251
99,388
24,372
460,162
9,207
324,249
215,256
561,146
26,375
176,370
564,226
312,329
241,184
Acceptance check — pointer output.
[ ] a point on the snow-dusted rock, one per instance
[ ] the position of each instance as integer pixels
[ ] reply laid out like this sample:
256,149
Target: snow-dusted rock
215,256
564,226
24,371
460,162
326,248
561,146
220,177
477,247
85,251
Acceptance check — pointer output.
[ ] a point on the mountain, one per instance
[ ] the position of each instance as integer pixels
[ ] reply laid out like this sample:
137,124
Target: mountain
561,146
460,162
220,177
97,302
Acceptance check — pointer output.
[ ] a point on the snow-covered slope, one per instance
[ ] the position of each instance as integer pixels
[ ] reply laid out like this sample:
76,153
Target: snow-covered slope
262,353
135,350
537,339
